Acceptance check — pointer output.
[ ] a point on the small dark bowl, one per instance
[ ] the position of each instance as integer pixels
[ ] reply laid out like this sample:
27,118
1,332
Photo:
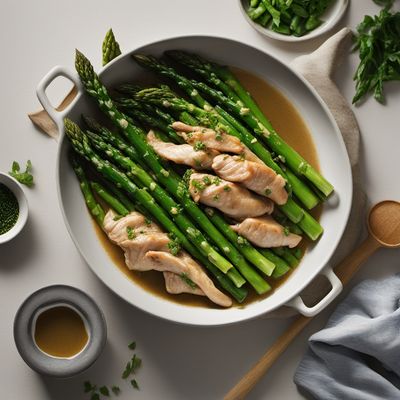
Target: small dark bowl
53,296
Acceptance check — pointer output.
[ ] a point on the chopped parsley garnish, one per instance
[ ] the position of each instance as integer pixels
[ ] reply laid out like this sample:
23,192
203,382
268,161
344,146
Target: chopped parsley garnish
26,178
134,384
242,241
116,390
207,180
286,231
216,197
187,280
147,221
88,387
267,191
227,188
131,368
198,185
130,232
104,391
132,345
174,245
199,146
117,217
216,181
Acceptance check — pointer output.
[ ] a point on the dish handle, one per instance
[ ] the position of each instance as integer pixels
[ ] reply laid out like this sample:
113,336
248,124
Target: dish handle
337,287
57,114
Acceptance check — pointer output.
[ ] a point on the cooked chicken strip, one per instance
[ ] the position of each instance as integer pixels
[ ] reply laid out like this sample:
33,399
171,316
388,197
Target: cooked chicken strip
266,232
196,135
182,153
256,177
146,247
174,284
232,199
163,261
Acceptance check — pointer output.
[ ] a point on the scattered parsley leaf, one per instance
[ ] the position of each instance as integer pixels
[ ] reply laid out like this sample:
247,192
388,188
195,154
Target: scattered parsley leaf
267,191
147,221
132,345
174,245
88,387
199,146
116,390
216,197
95,396
134,384
286,231
26,178
117,217
198,185
227,188
187,280
104,391
130,232
127,370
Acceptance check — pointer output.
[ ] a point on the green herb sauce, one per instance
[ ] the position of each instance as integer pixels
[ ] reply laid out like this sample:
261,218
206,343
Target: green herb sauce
9,209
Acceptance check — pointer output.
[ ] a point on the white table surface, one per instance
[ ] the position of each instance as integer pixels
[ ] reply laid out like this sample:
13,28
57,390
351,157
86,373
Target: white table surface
179,362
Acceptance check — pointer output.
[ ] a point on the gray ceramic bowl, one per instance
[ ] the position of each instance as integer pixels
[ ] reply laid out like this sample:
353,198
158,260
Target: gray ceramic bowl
52,296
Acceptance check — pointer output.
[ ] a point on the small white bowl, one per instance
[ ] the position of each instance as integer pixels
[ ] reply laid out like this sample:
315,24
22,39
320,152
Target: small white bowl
16,188
331,17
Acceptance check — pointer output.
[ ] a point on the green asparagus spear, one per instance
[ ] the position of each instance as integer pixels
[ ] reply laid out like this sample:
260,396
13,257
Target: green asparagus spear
167,178
110,47
109,172
94,207
113,202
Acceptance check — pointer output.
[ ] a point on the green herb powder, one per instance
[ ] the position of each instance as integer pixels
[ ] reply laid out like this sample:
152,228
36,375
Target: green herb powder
9,209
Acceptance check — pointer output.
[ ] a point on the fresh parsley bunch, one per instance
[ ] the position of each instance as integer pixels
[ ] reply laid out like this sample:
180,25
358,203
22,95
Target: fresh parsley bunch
378,42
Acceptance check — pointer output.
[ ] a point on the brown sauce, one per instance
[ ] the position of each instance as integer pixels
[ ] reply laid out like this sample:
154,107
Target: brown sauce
288,122
60,332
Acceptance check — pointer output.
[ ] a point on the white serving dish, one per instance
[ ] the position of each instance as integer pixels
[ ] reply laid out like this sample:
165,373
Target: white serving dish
330,18
329,143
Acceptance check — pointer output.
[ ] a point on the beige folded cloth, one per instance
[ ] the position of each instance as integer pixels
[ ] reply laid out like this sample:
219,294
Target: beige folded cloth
317,68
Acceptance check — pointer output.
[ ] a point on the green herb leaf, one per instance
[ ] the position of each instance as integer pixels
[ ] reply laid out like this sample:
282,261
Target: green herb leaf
26,178
116,390
187,280
174,245
104,391
88,387
378,44
136,362
134,384
127,371
132,345
199,146
95,396
286,231
130,232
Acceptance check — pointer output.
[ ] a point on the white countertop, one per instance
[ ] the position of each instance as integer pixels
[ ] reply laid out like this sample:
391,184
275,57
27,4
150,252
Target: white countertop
178,362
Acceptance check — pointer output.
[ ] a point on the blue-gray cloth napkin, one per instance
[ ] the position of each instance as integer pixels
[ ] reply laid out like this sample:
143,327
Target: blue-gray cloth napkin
357,355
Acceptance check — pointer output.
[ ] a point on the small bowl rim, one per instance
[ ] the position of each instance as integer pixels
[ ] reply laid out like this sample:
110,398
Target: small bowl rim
18,192
319,31
53,295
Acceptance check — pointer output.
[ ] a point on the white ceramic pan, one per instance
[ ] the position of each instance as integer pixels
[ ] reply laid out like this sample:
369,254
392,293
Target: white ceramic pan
333,159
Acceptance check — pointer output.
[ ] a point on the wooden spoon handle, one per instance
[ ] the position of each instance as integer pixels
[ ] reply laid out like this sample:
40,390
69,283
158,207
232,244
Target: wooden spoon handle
345,271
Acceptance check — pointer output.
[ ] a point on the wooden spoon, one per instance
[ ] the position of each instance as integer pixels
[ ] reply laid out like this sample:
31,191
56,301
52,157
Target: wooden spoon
384,231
